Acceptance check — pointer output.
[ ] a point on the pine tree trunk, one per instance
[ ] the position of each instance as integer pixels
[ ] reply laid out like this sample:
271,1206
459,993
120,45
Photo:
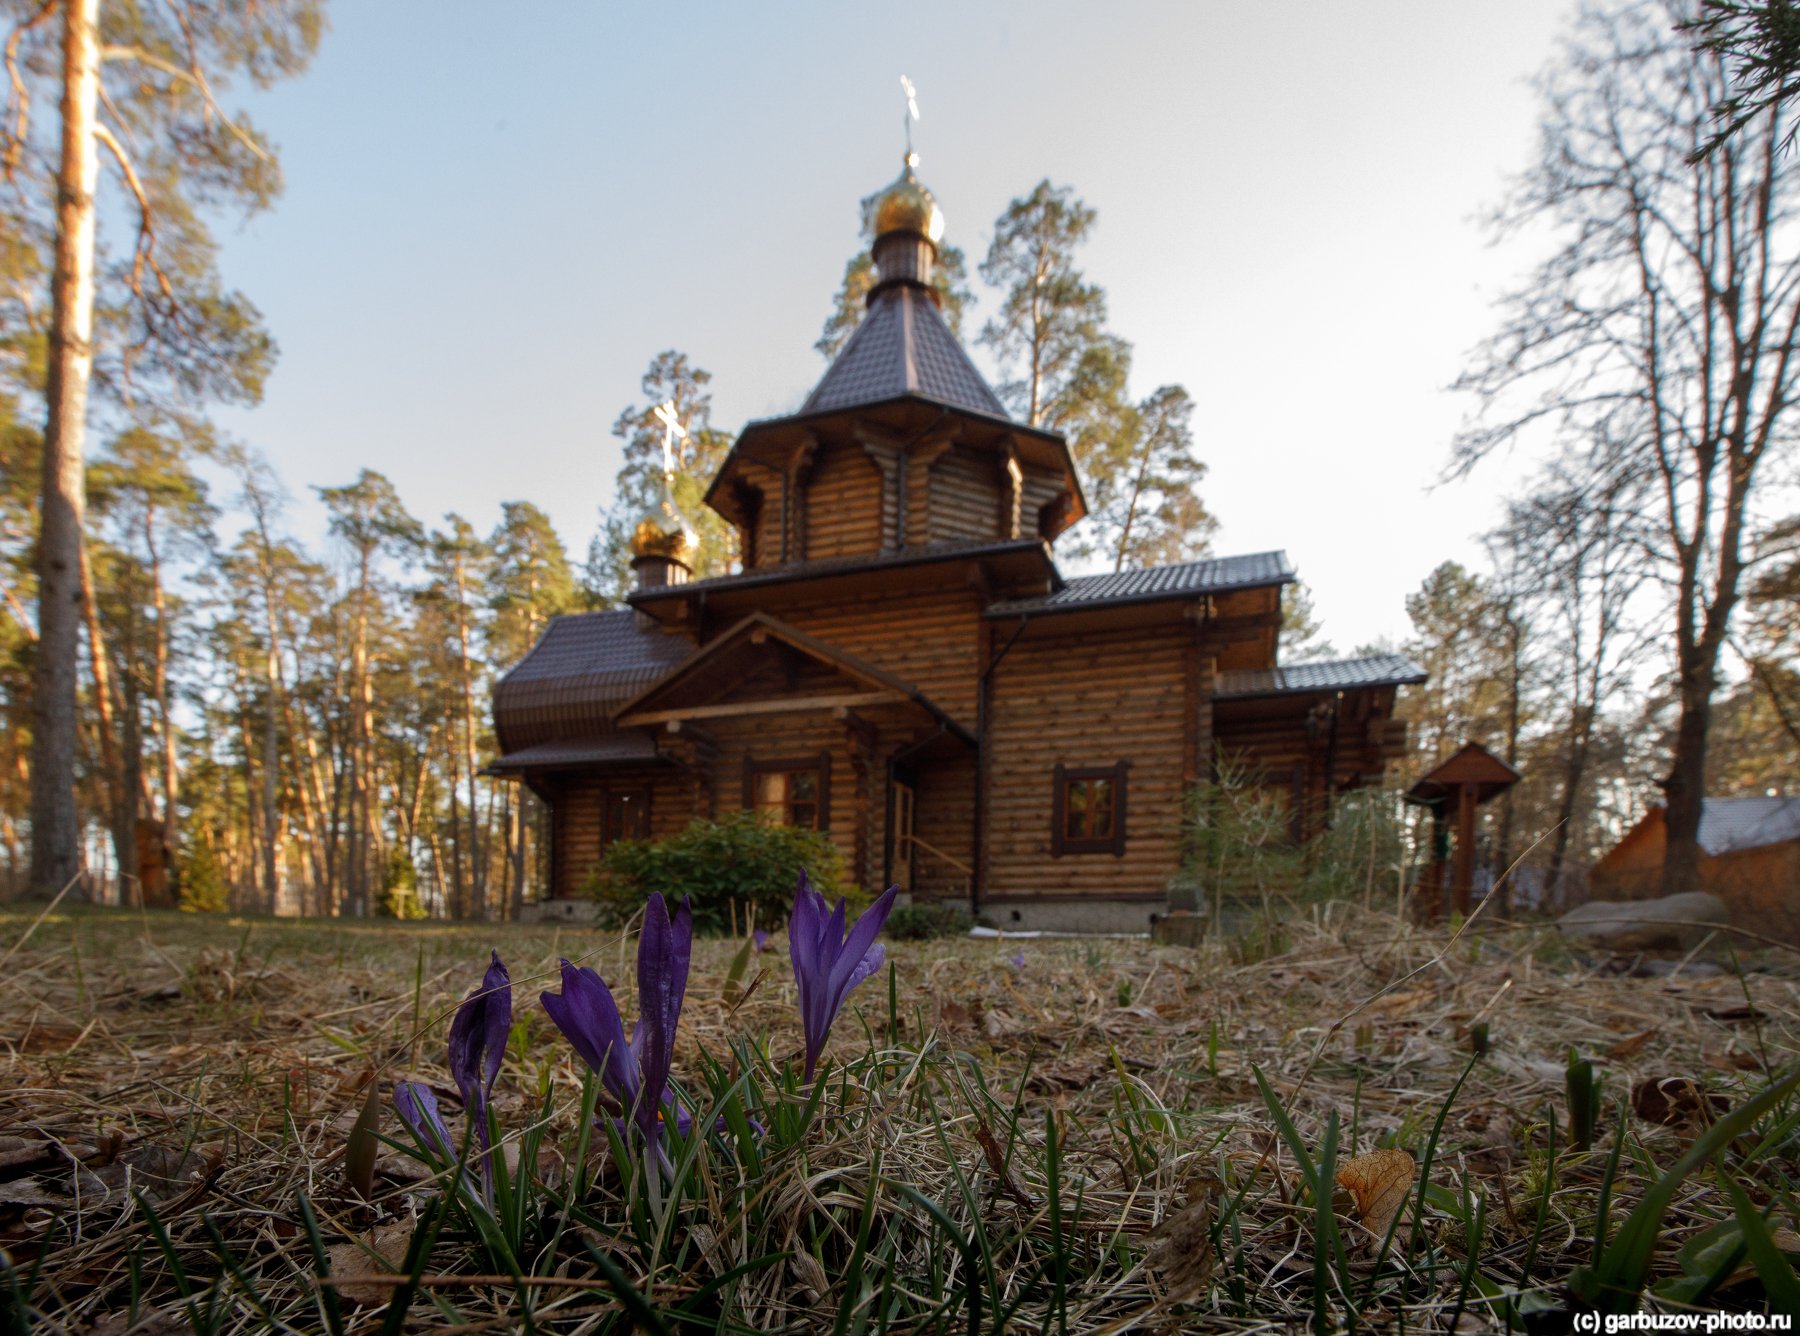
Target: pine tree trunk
171,775
56,857
477,870
119,799
131,781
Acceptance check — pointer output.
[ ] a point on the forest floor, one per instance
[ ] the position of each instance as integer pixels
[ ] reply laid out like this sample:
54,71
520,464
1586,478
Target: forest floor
1052,1134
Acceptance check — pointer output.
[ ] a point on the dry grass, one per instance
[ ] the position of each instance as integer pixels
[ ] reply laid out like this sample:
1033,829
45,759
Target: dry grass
1060,1113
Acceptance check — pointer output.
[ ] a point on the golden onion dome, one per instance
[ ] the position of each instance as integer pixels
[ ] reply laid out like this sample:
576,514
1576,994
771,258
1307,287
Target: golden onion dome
907,206
662,532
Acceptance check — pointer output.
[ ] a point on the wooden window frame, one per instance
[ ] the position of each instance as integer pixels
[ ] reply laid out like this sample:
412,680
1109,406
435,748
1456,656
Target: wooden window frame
819,764
1060,843
608,836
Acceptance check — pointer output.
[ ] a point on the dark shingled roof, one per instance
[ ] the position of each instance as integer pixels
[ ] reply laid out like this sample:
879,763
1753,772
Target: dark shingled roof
903,347
1378,670
579,751
584,666
848,565
1188,579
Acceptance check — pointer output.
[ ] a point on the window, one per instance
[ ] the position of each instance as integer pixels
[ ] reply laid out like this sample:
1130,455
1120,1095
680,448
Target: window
624,815
1089,810
790,793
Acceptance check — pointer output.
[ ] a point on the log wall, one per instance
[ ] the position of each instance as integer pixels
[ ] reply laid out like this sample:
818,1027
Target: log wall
944,817
965,497
928,638
843,503
769,519
579,808
1081,701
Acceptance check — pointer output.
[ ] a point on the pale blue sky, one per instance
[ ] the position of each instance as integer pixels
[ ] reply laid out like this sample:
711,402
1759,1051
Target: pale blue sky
496,215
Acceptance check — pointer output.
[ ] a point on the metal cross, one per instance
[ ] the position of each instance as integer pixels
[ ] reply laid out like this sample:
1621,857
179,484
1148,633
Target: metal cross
912,112
665,412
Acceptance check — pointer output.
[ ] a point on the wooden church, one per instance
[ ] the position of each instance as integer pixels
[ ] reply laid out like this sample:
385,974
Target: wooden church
900,662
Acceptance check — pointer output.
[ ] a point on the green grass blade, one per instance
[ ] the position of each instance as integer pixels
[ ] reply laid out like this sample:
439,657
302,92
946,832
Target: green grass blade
1613,1283
1772,1268
625,1292
328,1300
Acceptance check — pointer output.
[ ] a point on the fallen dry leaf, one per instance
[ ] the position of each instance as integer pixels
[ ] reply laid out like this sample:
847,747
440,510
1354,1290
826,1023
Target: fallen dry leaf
1674,1100
1055,1077
1739,1061
1182,1250
1379,1183
1625,1048
1396,1004
380,1253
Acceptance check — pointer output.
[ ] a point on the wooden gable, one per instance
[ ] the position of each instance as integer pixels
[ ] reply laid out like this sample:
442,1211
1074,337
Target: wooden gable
1471,764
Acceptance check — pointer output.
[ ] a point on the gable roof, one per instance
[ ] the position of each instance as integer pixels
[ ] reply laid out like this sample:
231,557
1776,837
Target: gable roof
903,347
760,627
1730,824
1188,579
1375,670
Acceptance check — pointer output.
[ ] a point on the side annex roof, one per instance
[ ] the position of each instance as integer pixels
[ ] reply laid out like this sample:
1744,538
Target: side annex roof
1148,584
1376,670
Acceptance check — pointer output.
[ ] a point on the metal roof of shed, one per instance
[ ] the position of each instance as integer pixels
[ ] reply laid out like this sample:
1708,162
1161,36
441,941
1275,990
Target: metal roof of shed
1730,824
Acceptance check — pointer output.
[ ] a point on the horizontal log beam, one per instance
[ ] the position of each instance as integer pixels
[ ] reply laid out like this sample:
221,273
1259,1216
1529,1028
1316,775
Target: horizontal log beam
784,705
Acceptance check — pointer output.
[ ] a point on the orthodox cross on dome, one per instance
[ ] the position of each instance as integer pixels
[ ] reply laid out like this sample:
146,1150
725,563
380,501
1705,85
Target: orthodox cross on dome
672,427
912,114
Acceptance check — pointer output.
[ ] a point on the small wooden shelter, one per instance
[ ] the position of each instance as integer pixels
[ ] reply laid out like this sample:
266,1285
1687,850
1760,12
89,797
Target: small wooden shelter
899,661
1471,777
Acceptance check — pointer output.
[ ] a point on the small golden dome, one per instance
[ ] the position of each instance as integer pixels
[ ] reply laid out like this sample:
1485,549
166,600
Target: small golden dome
906,206
662,532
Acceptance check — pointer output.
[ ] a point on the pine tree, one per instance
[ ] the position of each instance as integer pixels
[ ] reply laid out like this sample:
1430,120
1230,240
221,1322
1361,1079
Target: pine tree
160,334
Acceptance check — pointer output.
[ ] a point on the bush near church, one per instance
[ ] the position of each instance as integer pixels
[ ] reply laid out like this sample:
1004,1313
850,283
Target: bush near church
739,860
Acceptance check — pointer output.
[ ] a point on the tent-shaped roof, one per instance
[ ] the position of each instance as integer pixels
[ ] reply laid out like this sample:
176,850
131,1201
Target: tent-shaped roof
903,347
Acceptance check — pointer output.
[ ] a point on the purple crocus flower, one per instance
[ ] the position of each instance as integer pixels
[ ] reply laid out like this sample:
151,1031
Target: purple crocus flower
478,1034
828,963
761,938
478,1042
418,1108
589,1017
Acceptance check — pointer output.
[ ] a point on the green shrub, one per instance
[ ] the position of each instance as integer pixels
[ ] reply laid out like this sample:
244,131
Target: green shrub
201,886
739,859
1238,849
916,923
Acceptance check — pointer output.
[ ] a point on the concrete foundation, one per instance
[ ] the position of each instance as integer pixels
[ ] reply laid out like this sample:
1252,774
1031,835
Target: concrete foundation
562,910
